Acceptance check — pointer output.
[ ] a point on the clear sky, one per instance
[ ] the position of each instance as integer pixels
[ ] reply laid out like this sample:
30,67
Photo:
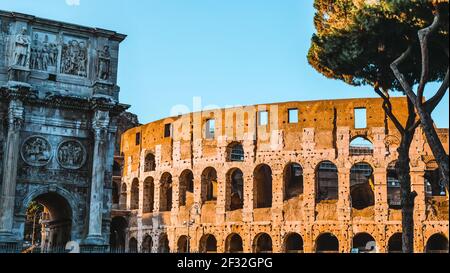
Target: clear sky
227,52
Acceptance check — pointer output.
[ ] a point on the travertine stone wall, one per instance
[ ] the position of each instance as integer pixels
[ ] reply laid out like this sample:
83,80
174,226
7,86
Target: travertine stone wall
324,132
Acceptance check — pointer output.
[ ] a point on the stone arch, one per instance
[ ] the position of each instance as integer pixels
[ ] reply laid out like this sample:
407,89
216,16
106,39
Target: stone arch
437,243
134,203
115,193
163,243
117,168
165,193
434,185
186,189
118,229
327,184
208,244
150,163
361,146
293,243
262,243
235,152
60,203
183,244
149,195
362,186
393,187
327,243
133,245
364,243
234,244
293,180
262,186
123,196
395,243
147,244
209,185
234,194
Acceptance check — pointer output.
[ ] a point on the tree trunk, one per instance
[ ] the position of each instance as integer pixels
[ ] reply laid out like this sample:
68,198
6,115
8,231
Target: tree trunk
407,196
435,143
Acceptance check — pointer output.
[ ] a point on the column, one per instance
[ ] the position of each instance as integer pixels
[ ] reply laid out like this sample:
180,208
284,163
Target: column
100,124
222,189
418,185
309,200
10,158
381,203
249,195
344,205
277,197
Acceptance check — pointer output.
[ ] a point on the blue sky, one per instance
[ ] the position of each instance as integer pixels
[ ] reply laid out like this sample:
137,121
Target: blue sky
227,52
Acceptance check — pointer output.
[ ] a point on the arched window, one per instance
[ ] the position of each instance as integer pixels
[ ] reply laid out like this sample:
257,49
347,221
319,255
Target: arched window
123,197
293,181
117,234
361,146
208,244
209,185
163,246
133,245
262,179
235,152
149,191
186,188
134,205
165,193
327,243
235,190
182,244
327,181
395,243
437,243
362,186
262,243
117,169
364,243
434,184
233,244
393,187
294,243
147,244
115,193
150,163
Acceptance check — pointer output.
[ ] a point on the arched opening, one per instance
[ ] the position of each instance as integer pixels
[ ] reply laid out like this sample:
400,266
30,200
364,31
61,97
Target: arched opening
327,243
294,243
115,193
395,244
182,245
364,243
117,169
393,187
48,223
123,197
262,243
209,185
165,195
149,194
134,204
293,181
262,179
163,246
235,152
326,182
147,244
361,146
186,188
150,163
117,234
362,186
437,243
133,245
434,184
235,190
208,244
234,244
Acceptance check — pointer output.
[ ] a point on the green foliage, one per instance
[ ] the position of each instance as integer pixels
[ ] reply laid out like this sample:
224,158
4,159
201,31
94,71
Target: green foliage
356,41
33,209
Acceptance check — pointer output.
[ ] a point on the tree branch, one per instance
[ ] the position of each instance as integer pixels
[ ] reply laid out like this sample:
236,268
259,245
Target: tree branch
424,34
387,106
432,103
401,78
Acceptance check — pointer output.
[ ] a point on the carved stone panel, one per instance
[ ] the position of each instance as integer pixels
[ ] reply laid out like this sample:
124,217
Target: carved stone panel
44,52
74,60
71,154
104,62
36,151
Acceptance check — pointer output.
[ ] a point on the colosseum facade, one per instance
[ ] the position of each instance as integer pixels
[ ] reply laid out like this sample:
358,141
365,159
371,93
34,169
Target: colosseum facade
287,177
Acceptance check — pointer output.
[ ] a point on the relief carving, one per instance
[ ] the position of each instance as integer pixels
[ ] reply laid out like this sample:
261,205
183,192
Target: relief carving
36,151
74,57
104,61
22,46
71,155
44,52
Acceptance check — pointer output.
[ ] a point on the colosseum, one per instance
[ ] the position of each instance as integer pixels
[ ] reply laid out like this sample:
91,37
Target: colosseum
295,177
